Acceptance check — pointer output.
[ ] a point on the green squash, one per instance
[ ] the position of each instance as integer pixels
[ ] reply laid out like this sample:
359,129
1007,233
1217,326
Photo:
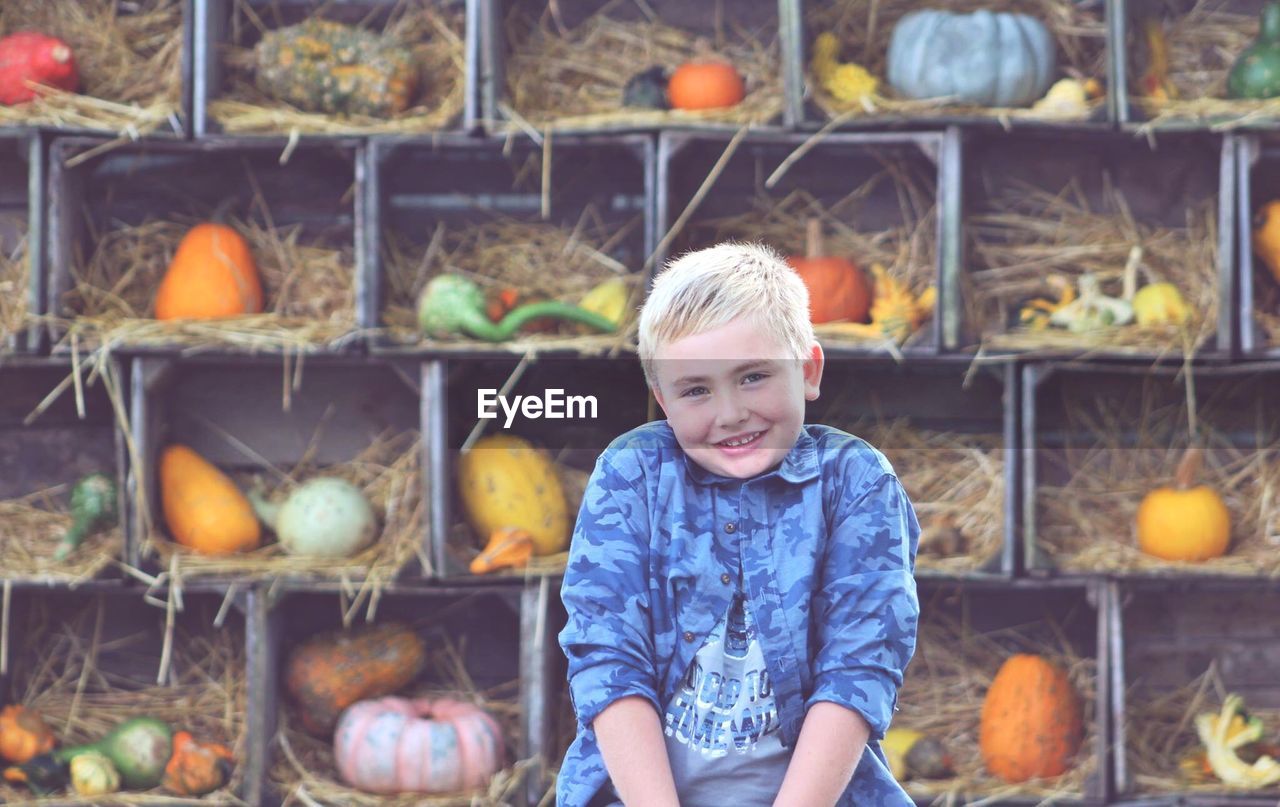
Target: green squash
139,748
983,58
1256,73
93,506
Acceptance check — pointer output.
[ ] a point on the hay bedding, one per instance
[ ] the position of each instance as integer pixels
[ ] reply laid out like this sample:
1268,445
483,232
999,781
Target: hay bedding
14,274
1032,233
864,28
1266,310
1088,524
308,289
129,56
30,529
436,36
574,79
942,696
73,680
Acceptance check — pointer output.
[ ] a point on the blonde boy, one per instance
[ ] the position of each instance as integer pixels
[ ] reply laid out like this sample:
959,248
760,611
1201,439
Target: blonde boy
739,591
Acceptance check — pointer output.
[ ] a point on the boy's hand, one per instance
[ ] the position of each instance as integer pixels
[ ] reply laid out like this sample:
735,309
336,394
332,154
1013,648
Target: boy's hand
629,733
831,742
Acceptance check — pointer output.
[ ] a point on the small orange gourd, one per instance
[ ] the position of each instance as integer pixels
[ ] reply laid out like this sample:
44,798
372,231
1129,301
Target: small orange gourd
1031,720
705,85
204,509
508,548
212,275
23,734
838,290
197,768
1187,522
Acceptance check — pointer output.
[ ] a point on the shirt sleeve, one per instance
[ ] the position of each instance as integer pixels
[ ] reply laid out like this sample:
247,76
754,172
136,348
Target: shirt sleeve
866,609
608,639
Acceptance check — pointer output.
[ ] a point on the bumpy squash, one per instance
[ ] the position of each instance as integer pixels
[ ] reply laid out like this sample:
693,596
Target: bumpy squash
212,275
506,482
394,745
331,671
197,768
980,58
1031,721
204,509
23,734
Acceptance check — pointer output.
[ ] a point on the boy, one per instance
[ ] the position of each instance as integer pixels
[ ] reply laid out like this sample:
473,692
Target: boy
739,590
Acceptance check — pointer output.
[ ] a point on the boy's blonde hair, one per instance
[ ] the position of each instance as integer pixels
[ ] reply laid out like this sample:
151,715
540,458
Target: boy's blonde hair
703,290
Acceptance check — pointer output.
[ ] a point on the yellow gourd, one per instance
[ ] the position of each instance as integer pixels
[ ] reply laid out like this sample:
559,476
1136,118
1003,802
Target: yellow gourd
1266,237
505,482
204,509
1160,304
1184,523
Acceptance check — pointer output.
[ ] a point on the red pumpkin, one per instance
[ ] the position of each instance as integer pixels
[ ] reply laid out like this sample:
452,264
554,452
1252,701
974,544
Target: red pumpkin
838,290
30,56
395,745
705,85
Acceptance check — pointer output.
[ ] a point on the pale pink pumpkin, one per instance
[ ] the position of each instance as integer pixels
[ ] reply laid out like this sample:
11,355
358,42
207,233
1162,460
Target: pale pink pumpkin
426,745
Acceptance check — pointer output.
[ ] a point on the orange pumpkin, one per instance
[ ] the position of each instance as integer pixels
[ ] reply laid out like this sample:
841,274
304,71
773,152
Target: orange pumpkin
1031,721
705,85
1184,522
838,290
211,275
331,671
23,734
204,509
197,768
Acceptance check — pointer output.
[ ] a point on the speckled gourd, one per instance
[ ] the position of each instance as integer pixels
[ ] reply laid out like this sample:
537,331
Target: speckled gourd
505,482
324,517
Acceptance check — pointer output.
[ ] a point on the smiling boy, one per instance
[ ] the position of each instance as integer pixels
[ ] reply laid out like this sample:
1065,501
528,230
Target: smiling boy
739,591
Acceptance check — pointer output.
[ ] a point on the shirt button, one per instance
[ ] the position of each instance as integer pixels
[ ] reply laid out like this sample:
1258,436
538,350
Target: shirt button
724,578
730,527
688,636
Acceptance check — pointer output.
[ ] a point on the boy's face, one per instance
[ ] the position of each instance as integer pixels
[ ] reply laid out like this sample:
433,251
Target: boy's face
735,398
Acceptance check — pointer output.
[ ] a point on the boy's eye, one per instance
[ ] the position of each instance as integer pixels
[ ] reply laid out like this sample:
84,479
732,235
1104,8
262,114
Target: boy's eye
693,392
749,377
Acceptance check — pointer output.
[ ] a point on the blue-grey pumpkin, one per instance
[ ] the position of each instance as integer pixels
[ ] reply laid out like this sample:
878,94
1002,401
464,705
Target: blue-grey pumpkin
983,58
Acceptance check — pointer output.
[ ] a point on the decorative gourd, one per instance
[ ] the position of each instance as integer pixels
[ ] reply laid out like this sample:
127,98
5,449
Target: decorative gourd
197,768
23,734
204,509
1160,304
331,671
30,57
913,755
325,66
1256,73
139,748
212,275
1184,522
1266,236
505,482
647,90
452,306
984,58
93,507
705,85
93,774
508,548
394,745
1031,720
838,290
324,517
608,299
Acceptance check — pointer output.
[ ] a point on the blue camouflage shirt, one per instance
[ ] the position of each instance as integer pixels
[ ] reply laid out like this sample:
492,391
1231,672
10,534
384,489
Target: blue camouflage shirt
826,544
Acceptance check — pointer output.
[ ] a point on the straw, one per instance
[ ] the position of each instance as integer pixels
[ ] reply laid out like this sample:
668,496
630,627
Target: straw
436,37
32,526
575,79
864,29
1266,307
1032,233
129,62
13,286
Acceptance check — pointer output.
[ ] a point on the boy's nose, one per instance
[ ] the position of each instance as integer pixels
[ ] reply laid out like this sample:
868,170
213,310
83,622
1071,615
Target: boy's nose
731,411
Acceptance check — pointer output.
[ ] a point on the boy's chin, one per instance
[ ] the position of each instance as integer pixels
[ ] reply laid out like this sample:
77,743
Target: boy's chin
743,466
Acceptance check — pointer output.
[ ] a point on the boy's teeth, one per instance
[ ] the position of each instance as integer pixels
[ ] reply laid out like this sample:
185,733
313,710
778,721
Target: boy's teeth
744,440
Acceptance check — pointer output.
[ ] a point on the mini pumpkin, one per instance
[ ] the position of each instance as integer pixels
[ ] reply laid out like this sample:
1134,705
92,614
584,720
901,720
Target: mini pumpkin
1187,522
1031,720
394,745
838,290
23,734
212,275
197,768
705,85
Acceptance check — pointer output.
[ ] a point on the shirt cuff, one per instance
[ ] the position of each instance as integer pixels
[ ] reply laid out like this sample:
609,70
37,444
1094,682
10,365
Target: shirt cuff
870,692
592,688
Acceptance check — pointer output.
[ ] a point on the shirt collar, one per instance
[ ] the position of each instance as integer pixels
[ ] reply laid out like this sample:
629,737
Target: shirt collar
800,465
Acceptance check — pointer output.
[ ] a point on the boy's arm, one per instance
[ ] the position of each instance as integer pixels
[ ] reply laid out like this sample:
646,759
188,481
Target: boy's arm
629,732
831,742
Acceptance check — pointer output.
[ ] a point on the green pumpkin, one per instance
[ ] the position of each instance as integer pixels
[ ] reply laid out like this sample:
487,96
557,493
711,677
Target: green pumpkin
983,58
1256,73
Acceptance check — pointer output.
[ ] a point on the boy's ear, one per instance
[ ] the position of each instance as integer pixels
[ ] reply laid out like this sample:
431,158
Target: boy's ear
657,396
812,370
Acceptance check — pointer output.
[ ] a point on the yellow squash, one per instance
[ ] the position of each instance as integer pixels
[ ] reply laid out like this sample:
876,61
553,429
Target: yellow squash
1266,236
505,482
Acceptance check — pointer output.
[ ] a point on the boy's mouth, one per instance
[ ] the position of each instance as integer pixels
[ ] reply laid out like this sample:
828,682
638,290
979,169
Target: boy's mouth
740,442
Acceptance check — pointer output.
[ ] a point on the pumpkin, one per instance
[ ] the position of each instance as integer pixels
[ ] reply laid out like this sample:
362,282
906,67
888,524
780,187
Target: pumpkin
212,275
329,672
197,768
23,734
394,745
204,509
1031,720
982,58
1266,237
1184,522
30,57
705,85
94,774
838,290
1256,73
505,482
